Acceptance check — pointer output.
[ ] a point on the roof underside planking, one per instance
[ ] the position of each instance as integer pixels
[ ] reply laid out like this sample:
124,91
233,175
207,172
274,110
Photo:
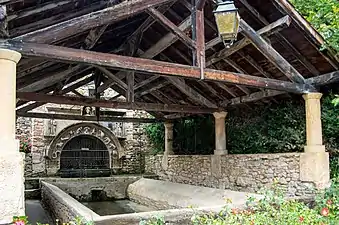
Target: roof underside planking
149,52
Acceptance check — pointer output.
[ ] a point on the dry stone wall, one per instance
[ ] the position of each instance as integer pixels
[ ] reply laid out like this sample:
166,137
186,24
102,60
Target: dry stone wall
248,173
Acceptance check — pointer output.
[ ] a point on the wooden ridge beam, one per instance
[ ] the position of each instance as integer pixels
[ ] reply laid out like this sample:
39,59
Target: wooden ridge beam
265,31
82,23
69,100
172,27
150,66
86,118
271,54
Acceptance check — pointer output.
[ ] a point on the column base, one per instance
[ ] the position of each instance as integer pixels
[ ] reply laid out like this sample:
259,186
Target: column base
315,167
314,148
220,152
12,197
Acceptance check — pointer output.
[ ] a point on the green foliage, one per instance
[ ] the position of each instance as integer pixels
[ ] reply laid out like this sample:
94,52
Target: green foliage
273,208
155,220
324,16
156,134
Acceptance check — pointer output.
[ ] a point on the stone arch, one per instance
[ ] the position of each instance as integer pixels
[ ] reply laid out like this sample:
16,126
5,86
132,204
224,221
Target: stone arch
56,146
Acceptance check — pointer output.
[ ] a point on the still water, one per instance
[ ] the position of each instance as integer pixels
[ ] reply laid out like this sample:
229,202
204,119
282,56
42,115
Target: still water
104,208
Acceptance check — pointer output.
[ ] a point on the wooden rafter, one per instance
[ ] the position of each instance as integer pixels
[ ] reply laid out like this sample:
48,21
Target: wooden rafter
86,118
267,30
82,23
68,100
284,41
172,27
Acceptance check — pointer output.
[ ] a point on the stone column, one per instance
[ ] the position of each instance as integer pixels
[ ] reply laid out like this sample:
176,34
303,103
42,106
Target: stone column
314,163
11,160
220,133
168,138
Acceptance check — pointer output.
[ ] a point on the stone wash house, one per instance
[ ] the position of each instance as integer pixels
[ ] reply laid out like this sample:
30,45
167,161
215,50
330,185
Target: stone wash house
73,148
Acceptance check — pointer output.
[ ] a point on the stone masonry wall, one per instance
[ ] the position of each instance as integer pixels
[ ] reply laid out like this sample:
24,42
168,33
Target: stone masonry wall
248,173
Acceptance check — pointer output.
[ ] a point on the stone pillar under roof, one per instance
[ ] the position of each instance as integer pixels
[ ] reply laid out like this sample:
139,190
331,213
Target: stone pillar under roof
314,162
220,133
168,138
11,160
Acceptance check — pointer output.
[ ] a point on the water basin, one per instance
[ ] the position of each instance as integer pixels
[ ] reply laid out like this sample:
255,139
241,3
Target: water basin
105,208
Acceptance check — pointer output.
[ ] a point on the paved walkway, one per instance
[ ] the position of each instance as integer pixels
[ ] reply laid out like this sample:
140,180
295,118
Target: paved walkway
36,213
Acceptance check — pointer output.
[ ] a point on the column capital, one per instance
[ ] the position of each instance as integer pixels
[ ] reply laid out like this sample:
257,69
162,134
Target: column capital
219,115
10,55
315,95
168,125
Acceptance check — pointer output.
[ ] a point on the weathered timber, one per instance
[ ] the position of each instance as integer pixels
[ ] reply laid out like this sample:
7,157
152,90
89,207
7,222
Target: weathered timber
153,88
3,22
267,30
68,100
200,36
53,79
284,41
190,92
172,27
130,87
200,4
43,8
227,89
150,66
253,63
113,77
308,30
255,96
167,40
145,82
324,79
82,23
87,118
57,19
107,84
66,90
271,54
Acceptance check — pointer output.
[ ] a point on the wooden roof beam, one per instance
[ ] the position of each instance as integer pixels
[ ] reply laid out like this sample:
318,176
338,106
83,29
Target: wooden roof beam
149,66
267,30
86,118
70,100
271,54
284,41
82,23
66,90
172,27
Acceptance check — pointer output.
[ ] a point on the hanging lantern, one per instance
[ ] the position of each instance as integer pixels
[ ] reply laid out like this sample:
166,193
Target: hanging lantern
227,19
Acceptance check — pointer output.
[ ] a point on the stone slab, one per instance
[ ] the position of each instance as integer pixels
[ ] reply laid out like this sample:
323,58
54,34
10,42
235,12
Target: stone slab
168,195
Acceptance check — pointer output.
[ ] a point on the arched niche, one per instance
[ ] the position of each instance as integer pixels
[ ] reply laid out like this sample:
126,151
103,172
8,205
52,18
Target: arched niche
64,138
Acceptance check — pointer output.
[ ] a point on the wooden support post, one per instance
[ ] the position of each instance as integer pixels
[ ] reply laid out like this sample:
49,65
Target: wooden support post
200,42
271,54
130,85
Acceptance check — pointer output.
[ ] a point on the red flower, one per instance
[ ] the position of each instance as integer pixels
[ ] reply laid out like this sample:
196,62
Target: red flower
325,211
301,219
329,202
235,211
